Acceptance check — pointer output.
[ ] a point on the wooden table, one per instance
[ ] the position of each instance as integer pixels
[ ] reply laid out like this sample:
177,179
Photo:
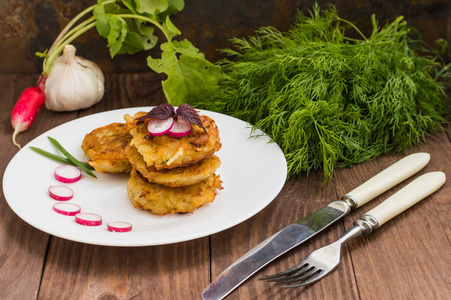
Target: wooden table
407,258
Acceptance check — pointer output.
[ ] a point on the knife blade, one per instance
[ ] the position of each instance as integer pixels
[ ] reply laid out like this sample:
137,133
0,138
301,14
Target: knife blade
305,228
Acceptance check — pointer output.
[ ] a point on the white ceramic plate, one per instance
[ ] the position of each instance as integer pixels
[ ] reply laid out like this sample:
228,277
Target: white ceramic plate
253,172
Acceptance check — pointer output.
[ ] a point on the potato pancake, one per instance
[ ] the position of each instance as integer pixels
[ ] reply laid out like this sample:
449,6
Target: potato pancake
166,152
175,177
105,148
161,200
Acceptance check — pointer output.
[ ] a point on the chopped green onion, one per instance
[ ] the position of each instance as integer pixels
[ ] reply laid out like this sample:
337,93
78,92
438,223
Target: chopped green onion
71,158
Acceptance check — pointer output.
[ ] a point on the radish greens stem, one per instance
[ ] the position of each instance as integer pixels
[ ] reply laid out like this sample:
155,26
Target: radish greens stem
129,28
48,63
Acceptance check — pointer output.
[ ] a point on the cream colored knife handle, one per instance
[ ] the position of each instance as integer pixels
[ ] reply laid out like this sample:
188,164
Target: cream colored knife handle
388,178
408,196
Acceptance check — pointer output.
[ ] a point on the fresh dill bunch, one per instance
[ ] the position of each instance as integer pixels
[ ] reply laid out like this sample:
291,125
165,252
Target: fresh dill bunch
329,100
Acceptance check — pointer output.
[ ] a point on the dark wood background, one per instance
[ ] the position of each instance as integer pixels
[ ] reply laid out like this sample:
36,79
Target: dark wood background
29,26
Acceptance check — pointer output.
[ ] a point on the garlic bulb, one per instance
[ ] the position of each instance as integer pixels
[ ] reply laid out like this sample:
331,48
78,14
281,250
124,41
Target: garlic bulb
74,83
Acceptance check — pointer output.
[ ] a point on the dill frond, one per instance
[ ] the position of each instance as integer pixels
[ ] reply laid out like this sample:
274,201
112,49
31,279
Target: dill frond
333,101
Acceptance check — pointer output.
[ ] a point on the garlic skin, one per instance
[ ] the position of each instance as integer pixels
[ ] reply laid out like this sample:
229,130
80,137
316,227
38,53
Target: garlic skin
73,83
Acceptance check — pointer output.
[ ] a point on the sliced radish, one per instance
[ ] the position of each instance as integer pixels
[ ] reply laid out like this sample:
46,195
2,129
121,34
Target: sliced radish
159,127
119,226
181,128
67,173
88,219
68,209
61,192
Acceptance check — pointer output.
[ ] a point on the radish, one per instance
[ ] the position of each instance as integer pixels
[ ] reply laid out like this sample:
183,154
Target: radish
67,173
61,192
180,128
25,110
159,127
88,219
119,226
67,209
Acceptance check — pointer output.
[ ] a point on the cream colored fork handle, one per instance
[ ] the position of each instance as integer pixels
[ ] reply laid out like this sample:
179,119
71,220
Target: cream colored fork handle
389,177
408,196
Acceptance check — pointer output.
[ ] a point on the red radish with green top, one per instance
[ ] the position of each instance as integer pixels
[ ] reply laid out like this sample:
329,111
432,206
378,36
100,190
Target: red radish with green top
25,110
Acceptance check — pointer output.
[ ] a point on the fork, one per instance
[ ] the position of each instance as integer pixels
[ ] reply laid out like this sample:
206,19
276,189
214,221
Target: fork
323,261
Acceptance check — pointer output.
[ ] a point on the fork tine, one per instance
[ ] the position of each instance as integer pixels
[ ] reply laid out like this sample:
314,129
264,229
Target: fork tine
306,269
301,270
311,280
299,279
284,273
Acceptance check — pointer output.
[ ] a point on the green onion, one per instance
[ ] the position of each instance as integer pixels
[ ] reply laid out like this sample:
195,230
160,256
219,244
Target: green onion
58,158
71,158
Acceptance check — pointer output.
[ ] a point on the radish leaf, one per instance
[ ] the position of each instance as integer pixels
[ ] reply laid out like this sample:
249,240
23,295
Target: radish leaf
190,77
152,7
128,26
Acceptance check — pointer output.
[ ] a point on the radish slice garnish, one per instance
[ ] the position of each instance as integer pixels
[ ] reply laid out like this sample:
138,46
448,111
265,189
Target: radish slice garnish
61,192
88,219
180,128
68,209
119,226
159,127
67,173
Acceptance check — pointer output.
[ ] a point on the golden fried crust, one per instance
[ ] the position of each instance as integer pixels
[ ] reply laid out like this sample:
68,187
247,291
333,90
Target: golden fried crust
175,177
166,152
161,200
105,147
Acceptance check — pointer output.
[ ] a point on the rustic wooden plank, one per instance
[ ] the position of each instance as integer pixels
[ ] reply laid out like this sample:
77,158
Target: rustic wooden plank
209,25
299,197
409,256
368,269
129,90
23,248
83,271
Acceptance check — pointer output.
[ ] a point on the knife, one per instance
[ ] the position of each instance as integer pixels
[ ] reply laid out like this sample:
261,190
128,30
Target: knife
303,229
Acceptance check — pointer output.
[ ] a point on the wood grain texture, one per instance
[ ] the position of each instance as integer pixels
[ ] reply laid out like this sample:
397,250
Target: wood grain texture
407,258
297,199
80,271
22,248
28,26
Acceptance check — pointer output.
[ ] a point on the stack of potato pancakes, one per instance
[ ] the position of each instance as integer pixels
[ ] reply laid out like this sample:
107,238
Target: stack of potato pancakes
167,174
